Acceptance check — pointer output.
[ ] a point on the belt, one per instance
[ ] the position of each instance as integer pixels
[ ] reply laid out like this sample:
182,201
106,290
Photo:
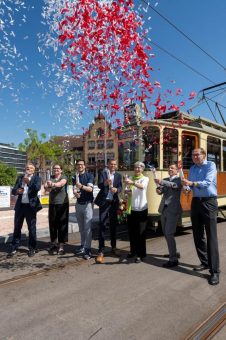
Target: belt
83,203
204,199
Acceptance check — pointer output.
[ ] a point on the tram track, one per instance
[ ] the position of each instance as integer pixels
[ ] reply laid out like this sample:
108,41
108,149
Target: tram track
53,267
211,326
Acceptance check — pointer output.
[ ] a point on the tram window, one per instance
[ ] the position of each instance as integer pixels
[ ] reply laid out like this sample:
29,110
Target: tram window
128,154
224,155
170,147
214,151
188,144
151,136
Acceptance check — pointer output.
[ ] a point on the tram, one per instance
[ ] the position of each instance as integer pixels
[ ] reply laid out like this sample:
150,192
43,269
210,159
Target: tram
171,139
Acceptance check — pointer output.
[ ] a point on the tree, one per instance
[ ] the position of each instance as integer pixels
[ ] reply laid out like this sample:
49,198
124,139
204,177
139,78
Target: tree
8,175
38,150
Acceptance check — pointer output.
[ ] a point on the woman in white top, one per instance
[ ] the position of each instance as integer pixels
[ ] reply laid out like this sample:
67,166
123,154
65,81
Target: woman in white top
137,212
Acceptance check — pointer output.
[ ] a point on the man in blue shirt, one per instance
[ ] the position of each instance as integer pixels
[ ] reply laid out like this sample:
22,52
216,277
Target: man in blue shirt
83,191
203,181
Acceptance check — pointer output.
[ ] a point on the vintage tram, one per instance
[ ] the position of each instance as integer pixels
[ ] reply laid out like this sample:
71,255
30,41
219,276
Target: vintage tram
169,139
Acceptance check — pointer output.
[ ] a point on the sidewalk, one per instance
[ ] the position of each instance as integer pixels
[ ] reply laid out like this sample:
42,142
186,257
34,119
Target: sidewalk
7,222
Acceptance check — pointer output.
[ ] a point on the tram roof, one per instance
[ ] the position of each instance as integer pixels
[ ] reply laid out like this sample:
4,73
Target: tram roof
195,122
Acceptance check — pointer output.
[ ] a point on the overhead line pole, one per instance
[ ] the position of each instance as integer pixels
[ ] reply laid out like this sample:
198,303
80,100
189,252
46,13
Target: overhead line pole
220,114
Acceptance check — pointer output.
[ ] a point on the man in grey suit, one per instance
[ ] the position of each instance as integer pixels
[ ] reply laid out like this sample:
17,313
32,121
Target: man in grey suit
170,210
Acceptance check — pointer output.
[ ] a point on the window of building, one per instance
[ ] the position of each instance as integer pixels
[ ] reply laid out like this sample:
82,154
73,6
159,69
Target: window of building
224,155
151,136
110,155
110,144
214,150
100,132
91,159
91,145
100,156
100,144
170,147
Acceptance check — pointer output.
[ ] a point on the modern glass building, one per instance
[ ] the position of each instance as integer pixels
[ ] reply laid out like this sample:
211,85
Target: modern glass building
12,156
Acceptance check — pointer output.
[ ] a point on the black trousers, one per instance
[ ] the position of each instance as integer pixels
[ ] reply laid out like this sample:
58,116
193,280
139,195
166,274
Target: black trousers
137,223
58,222
107,211
204,221
25,212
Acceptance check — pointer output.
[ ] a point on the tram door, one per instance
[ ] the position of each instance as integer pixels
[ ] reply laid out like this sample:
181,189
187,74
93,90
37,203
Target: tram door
189,142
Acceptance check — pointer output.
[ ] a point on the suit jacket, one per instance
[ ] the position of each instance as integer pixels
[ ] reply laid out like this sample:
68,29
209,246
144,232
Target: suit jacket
33,187
171,191
102,194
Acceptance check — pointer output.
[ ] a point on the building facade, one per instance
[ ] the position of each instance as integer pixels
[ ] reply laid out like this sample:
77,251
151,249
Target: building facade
100,144
13,157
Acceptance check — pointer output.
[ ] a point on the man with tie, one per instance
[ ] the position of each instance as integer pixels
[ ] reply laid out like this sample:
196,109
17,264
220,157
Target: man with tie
170,210
110,185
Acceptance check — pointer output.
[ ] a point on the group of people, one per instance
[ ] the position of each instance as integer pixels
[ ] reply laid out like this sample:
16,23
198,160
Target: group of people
202,181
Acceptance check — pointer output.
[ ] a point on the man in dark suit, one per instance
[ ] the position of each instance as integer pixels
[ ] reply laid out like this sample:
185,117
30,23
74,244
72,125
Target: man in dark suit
27,205
110,185
170,210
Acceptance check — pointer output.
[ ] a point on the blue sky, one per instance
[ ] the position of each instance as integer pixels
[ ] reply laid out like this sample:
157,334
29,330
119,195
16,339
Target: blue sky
27,81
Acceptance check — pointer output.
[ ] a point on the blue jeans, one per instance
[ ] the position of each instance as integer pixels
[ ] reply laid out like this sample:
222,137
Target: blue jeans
84,215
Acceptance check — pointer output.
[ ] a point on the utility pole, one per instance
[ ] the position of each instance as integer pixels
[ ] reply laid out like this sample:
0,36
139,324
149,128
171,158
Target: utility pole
105,138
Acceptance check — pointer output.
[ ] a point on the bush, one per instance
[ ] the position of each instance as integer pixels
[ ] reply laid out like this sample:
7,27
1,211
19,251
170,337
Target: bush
8,175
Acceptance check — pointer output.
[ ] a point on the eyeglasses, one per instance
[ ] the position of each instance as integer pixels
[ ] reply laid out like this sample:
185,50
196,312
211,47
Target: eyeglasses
196,154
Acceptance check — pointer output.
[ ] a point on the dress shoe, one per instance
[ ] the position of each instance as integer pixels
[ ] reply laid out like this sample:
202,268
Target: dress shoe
31,252
87,256
138,260
12,252
100,258
53,249
170,264
200,268
61,251
214,279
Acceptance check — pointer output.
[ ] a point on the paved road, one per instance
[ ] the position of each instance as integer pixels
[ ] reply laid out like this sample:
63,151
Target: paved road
116,300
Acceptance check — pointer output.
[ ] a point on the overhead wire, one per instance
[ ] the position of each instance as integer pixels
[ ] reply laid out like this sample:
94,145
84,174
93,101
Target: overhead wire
204,98
185,35
201,102
181,61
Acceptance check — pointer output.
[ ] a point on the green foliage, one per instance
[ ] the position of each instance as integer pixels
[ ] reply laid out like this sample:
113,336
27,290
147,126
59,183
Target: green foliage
38,150
8,175
69,173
